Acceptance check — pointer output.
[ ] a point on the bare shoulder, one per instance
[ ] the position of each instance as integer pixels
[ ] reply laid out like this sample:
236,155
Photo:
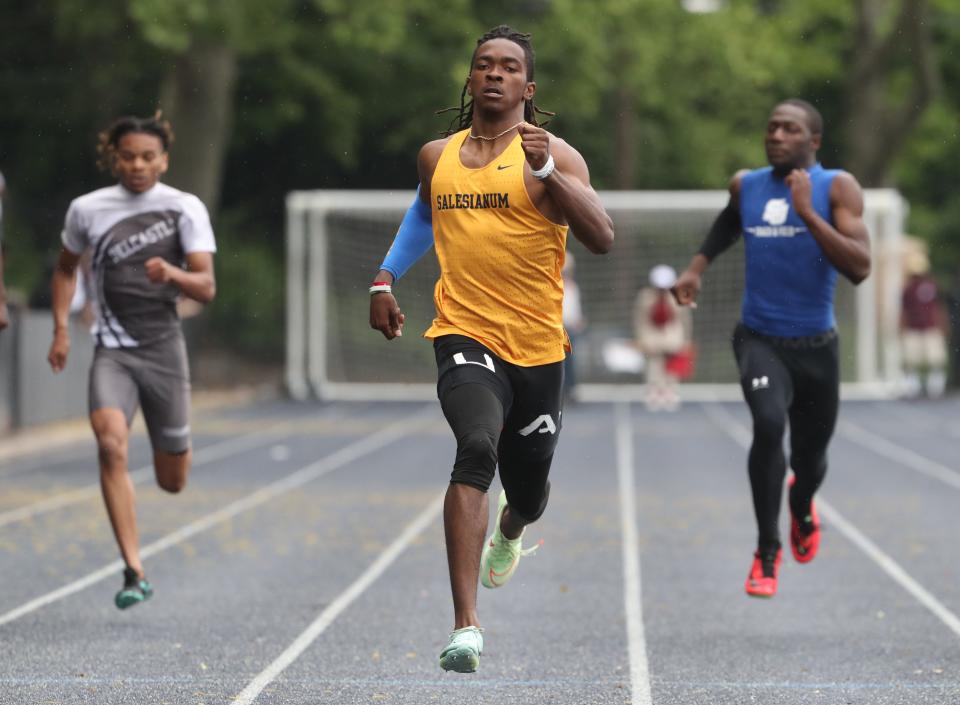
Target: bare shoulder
427,163
846,191
568,159
845,181
431,150
734,187
735,180
561,149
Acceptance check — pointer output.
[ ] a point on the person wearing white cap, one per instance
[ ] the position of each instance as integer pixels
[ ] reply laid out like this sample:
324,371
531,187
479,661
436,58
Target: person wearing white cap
662,330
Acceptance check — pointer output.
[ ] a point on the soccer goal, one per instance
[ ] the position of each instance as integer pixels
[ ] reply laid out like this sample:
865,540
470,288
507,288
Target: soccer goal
337,239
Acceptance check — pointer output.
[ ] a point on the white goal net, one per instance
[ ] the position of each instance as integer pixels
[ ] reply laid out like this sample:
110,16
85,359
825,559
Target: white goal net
336,241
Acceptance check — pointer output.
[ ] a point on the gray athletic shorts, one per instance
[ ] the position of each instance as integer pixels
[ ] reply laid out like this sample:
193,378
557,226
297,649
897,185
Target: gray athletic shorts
155,376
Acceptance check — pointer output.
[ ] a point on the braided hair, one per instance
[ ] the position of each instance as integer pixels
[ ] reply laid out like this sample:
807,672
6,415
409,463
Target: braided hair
109,139
464,117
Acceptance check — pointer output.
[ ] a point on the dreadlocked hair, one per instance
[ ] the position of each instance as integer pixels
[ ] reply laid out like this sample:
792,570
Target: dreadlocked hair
464,117
109,139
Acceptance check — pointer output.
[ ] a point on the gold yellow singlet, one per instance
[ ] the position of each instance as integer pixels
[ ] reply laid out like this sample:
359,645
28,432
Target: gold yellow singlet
500,259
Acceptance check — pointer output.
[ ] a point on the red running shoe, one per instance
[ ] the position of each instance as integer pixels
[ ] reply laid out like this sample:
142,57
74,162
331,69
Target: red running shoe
804,544
762,581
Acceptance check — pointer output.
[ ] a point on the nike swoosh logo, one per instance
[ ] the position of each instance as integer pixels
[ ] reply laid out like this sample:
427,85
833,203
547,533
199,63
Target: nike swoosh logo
501,167
493,575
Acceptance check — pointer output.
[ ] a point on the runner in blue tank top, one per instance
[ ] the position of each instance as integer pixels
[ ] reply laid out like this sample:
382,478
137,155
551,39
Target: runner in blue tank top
801,225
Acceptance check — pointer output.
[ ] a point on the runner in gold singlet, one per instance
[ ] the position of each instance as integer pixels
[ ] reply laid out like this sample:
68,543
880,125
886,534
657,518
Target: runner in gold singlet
496,198
500,258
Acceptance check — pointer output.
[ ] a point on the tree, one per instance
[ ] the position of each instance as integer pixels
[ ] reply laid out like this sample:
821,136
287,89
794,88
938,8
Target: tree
205,39
892,80
268,97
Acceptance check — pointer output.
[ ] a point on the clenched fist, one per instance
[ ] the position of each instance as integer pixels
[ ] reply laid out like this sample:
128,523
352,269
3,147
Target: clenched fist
535,142
158,270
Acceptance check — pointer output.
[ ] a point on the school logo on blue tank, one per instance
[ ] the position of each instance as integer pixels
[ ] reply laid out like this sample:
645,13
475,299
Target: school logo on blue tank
789,280
775,214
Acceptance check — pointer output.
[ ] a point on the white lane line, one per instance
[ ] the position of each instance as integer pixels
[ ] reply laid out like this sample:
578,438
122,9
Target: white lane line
632,592
217,451
890,567
298,478
898,454
727,422
343,600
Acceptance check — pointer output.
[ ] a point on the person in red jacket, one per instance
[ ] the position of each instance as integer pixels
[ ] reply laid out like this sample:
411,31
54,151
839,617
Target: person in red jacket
662,330
924,327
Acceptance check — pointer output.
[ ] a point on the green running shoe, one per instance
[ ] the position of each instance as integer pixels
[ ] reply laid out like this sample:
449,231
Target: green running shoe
463,652
135,590
501,555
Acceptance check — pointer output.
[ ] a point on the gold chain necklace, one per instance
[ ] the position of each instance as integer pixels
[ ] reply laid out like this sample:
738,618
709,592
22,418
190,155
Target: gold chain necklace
495,137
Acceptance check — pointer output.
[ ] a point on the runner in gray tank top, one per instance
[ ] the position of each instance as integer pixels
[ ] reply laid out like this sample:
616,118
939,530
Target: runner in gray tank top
150,244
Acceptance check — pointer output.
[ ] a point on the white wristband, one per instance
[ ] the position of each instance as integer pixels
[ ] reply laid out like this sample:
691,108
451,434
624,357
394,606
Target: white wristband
544,171
380,289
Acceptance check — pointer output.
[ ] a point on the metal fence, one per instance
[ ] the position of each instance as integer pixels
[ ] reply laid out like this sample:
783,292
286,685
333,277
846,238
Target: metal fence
29,391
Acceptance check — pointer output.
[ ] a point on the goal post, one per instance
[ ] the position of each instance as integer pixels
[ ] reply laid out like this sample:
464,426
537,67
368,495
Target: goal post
337,239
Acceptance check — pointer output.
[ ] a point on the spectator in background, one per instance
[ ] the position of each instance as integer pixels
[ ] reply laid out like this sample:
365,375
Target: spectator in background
4,315
924,328
573,322
662,330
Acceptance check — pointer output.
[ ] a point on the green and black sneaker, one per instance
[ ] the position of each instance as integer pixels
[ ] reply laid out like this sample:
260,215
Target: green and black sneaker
135,590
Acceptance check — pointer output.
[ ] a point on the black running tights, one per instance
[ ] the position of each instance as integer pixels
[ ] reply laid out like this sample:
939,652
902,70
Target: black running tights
781,384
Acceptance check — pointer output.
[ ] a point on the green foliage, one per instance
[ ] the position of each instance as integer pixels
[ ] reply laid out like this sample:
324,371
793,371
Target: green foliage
247,317
926,170
249,26
341,94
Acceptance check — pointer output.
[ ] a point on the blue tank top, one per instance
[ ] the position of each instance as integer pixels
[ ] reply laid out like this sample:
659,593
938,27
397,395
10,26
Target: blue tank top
789,280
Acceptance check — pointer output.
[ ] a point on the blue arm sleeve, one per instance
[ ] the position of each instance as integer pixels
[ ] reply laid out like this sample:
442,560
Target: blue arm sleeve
414,238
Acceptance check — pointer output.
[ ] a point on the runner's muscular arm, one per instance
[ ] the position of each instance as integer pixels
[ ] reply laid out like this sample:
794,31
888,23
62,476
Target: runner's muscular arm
385,313
569,187
723,233
427,162
847,245
62,286
196,282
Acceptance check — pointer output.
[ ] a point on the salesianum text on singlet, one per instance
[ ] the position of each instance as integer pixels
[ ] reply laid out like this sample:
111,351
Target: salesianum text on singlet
500,259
